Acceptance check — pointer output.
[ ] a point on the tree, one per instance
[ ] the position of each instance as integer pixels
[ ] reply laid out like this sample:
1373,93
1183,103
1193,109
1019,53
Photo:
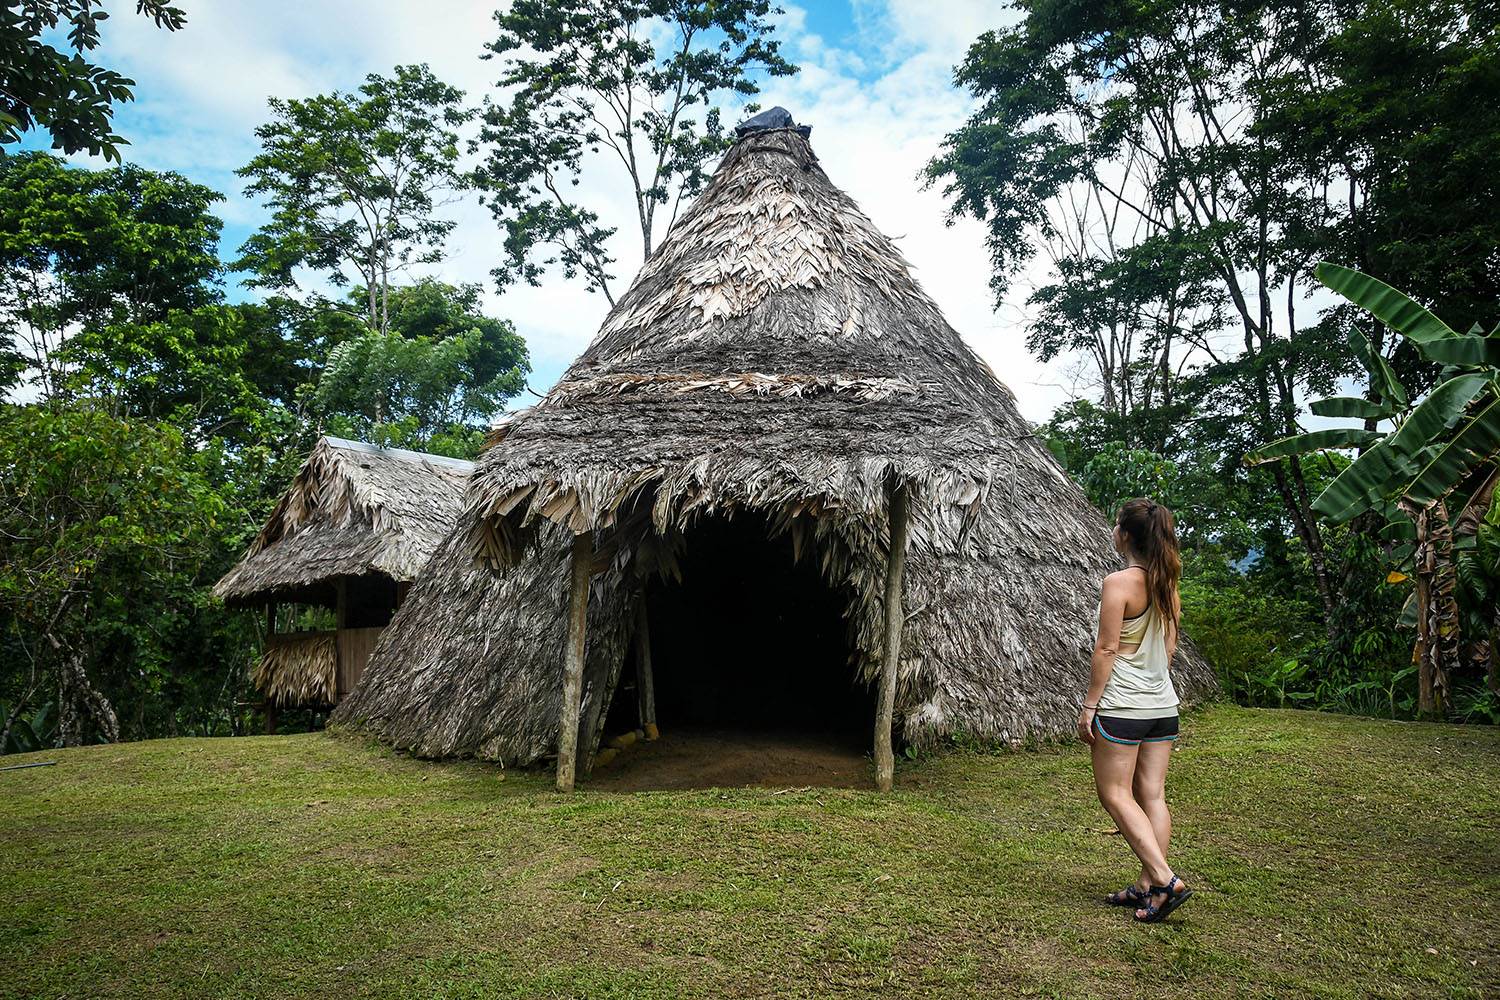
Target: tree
433,382
353,181
92,508
92,249
69,96
642,79
1444,452
201,370
1247,140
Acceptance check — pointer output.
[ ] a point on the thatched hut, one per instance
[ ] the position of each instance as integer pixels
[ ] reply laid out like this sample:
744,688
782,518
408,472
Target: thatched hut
732,471
350,535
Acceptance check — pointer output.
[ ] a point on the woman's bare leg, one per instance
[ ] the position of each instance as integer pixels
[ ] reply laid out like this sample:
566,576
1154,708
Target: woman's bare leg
1114,776
1149,790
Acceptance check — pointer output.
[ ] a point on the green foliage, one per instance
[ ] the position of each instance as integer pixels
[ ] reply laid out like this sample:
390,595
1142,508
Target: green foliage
1212,509
165,424
1118,473
643,79
1438,443
1273,650
433,382
93,249
1185,164
353,181
31,732
106,529
1247,631
66,94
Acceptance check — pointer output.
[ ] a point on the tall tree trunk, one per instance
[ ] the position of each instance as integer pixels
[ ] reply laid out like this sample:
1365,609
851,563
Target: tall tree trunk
372,315
1306,526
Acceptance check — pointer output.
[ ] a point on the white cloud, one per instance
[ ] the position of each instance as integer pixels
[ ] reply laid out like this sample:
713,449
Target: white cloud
203,91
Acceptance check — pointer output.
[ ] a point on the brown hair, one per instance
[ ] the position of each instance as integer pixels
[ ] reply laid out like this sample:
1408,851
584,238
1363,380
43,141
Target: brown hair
1152,533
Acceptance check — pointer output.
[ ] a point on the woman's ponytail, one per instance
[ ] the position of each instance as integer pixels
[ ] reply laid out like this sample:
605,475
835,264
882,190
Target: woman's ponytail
1152,533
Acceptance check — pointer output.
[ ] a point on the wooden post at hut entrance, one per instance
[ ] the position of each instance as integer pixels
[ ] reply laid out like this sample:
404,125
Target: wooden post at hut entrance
885,757
645,684
578,608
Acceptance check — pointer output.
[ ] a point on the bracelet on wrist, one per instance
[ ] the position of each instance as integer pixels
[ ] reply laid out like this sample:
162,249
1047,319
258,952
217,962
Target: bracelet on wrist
1092,708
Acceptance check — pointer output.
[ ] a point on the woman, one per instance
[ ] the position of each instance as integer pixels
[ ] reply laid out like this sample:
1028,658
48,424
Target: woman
1129,714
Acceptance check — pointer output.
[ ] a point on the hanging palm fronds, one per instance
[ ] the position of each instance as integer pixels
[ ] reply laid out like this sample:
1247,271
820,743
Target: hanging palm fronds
299,668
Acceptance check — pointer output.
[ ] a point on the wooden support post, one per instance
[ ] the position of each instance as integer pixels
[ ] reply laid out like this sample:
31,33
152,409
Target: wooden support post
645,684
885,757
269,706
578,609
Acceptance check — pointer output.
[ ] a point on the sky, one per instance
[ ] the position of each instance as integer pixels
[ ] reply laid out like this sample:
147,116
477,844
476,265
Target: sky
875,85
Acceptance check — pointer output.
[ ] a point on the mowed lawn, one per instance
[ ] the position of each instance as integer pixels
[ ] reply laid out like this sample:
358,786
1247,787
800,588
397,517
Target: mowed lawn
1332,857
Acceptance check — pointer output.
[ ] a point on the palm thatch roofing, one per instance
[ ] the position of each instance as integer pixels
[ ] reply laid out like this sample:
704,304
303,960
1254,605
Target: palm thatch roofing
775,356
354,509
299,668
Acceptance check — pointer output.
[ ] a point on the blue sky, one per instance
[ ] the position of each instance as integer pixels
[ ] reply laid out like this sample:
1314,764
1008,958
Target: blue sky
875,84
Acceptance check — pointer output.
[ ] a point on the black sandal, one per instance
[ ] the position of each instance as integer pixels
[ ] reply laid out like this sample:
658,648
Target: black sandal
1157,913
1128,896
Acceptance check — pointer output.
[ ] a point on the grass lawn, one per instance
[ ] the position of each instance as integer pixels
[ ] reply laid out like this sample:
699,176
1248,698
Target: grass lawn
1332,857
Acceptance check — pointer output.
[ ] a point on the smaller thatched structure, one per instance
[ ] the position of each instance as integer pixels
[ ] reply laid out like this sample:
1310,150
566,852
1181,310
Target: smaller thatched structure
351,534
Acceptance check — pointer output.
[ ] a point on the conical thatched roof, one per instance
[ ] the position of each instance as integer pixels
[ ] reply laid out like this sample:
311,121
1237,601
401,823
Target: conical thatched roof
773,355
353,509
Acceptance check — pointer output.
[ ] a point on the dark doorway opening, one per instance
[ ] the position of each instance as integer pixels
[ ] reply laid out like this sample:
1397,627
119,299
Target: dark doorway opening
751,659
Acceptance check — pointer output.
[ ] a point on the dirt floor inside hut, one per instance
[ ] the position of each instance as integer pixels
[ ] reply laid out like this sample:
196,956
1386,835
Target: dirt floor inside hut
735,758
1332,857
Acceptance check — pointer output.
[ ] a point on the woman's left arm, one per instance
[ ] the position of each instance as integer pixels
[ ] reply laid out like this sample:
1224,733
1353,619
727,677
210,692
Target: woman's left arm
1102,662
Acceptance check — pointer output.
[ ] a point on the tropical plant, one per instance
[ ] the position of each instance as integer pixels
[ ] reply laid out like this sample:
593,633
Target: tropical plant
1184,163
27,732
83,250
97,513
1441,456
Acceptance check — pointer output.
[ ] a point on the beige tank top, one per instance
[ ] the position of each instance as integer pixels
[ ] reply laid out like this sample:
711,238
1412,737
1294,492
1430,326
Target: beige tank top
1140,687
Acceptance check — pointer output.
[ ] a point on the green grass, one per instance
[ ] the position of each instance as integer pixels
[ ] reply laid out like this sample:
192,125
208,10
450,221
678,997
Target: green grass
1332,856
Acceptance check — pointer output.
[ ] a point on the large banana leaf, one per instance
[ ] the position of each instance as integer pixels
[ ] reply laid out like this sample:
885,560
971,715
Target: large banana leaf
1476,441
1354,407
1479,351
1301,444
1395,309
1394,460
1361,485
1382,379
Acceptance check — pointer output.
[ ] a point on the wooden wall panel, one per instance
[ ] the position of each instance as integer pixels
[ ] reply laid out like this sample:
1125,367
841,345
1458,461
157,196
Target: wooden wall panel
355,646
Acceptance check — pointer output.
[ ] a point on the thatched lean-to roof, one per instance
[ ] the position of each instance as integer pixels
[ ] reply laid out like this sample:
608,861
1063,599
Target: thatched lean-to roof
353,509
299,668
774,355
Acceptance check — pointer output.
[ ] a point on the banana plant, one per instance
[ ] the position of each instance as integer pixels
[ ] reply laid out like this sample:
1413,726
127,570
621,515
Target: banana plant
1438,456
